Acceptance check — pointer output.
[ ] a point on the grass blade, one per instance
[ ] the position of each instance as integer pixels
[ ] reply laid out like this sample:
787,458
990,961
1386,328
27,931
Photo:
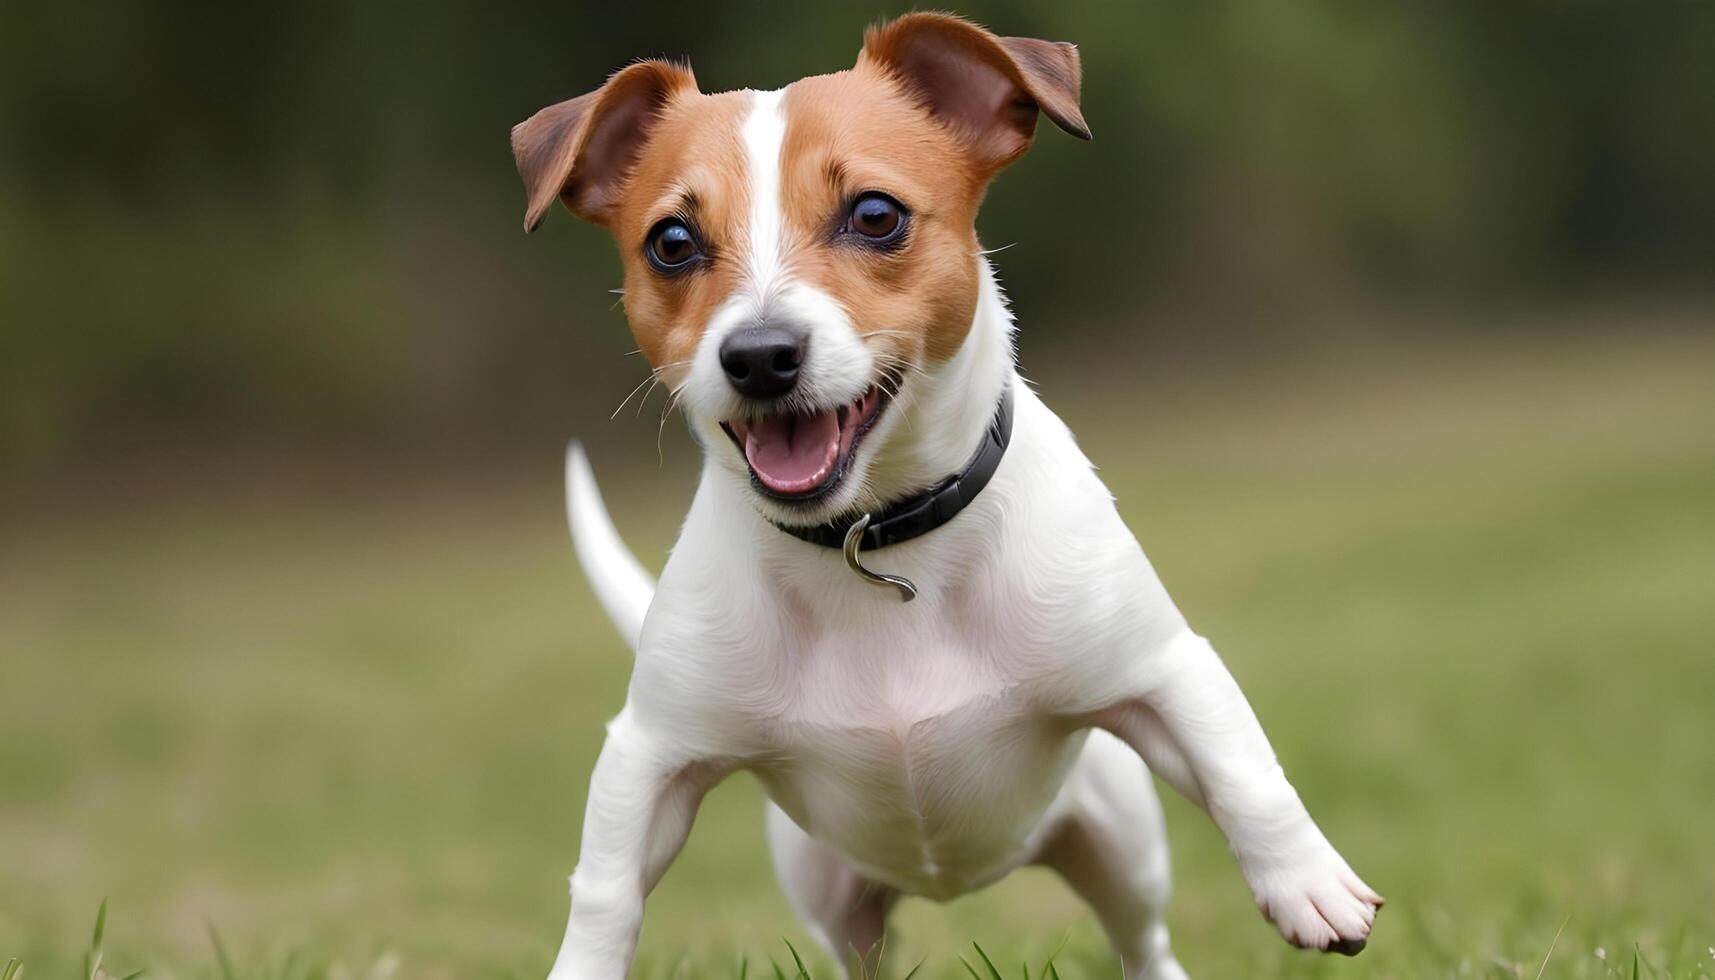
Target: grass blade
1649,968
134,974
743,966
13,965
970,969
100,926
914,970
994,974
92,959
1550,954
803,974
779,974
220,957
1048,970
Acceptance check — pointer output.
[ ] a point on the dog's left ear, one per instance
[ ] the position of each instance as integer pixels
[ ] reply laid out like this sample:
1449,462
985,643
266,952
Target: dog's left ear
581,150
987,89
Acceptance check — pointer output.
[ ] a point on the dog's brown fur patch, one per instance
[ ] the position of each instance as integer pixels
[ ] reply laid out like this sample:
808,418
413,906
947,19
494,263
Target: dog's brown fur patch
857,131
693,167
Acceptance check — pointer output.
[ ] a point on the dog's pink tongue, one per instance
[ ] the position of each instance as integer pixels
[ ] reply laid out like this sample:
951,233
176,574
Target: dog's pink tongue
793,453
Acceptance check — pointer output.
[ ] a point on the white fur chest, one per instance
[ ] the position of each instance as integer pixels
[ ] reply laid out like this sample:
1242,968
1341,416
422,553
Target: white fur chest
918,757
924,740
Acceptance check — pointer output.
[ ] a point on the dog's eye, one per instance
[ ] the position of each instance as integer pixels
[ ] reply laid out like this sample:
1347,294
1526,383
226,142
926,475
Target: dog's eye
671,246
878,218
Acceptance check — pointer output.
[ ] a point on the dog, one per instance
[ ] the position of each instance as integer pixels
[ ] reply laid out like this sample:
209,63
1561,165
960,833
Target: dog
902,597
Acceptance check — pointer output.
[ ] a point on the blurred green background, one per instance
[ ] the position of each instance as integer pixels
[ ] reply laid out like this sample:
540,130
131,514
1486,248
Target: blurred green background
1389,325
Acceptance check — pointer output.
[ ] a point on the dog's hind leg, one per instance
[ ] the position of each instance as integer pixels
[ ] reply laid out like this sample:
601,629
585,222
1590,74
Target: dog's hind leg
843,910
1110,844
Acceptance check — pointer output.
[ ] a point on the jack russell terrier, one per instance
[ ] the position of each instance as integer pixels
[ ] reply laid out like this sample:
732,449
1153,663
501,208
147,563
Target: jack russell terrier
902,598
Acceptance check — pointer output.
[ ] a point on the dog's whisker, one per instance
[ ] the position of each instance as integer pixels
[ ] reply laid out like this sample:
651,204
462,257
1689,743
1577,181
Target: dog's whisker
667,407
654,379
907,401
627,398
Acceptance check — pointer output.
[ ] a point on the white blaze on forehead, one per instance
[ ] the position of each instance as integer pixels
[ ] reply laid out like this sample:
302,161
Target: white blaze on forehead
763,132
838,367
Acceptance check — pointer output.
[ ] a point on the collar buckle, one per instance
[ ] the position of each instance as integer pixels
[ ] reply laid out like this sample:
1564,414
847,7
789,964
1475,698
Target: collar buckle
854,538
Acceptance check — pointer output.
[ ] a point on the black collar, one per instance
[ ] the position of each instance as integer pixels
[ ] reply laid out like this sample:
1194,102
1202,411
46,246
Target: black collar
921,513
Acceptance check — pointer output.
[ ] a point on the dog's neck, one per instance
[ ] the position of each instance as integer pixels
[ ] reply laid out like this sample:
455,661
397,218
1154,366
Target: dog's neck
947,409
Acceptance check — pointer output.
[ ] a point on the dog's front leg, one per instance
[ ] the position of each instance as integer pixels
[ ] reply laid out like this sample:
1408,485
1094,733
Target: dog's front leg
643,796
1217,755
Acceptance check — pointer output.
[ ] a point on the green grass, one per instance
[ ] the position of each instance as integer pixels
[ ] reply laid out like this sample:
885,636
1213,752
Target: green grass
345,725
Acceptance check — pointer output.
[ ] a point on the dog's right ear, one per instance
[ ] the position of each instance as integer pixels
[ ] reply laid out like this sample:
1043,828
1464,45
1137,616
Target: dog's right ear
987,89
581,150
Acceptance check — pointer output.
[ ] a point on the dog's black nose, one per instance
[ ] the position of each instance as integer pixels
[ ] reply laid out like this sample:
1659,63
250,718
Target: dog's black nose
763,362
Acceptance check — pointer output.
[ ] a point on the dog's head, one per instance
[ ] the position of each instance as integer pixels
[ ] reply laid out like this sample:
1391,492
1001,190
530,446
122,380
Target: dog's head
797,260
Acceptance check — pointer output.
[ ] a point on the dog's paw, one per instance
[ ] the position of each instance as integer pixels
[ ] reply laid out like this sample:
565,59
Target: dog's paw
1319,904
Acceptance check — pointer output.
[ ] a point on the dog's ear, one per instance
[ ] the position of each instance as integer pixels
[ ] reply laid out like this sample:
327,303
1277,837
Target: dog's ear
987,89
581,150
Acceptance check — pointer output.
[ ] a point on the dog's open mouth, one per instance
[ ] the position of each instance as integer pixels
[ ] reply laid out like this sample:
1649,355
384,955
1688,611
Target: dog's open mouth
800,455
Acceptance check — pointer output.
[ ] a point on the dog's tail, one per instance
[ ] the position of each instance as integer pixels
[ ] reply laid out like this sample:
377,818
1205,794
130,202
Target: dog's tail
620,582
